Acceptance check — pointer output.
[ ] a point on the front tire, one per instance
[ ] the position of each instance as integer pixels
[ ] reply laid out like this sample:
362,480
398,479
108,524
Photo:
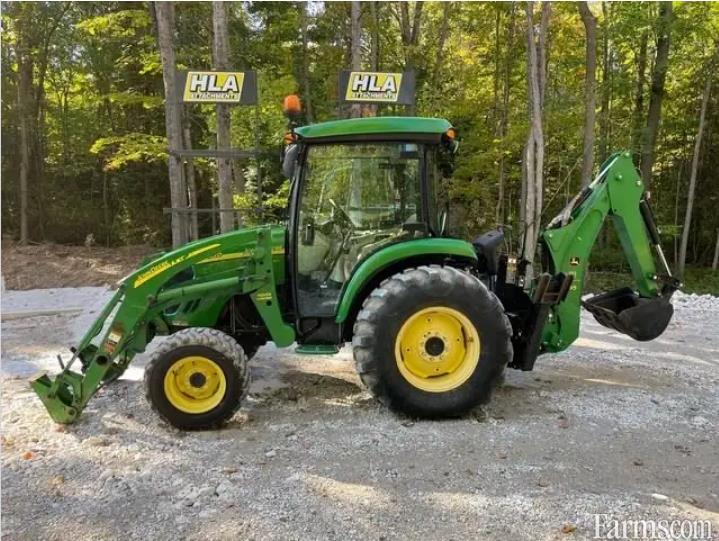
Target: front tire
431,342
197,379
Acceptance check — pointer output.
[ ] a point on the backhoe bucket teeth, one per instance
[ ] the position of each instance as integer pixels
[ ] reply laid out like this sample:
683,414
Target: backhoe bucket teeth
639,317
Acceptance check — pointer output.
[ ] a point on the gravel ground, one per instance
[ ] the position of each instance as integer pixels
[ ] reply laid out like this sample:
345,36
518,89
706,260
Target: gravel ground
610,426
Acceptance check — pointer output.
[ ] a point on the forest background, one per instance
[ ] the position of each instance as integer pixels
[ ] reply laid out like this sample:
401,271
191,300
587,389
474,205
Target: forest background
557,85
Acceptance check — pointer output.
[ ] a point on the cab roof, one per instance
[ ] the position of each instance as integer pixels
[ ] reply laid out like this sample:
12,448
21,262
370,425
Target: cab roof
375,128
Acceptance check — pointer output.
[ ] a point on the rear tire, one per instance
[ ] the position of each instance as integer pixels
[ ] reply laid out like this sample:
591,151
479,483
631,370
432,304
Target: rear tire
197,379
414,342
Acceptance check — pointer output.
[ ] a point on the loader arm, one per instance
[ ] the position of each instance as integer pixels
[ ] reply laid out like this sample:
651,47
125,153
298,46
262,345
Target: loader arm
137,310
617,193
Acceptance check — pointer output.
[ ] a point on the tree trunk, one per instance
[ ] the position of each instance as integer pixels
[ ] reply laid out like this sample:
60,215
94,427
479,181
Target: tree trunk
24,94
590,79
373,108
190,181
164,12
495,76
542,51
676,213
64,123
260,212
36,46
106,208
659,75
504,114
715,261
543,55
39,131
606,87
693,176
639,97
374,37
306,87
356,49
525,202
534,149
528,198
410,29
443,35
220,53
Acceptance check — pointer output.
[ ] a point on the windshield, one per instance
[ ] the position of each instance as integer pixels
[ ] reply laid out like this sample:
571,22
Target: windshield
376,184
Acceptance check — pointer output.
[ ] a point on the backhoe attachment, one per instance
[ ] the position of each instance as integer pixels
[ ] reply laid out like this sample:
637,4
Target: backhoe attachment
616,193
623,310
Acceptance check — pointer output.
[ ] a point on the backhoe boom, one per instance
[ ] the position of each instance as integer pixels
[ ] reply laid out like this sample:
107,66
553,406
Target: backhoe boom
617,193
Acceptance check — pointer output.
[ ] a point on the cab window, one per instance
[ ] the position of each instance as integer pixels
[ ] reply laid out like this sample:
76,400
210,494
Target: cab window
355,199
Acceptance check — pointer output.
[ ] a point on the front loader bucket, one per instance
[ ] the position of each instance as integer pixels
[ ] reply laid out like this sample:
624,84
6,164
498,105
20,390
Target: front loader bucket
639,317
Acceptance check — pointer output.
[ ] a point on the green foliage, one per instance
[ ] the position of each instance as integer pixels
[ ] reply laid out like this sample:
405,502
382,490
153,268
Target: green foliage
122,150
116,24
98,131
701,281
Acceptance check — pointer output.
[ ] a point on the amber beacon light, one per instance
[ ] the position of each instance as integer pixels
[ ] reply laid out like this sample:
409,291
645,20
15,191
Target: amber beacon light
291,105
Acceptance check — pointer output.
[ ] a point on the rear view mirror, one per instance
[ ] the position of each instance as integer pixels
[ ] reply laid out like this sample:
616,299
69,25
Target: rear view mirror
290,161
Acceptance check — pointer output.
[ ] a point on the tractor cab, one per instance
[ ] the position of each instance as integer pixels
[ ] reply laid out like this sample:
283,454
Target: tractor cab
358,186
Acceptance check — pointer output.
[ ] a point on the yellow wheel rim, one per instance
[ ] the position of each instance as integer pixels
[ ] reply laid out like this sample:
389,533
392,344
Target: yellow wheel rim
195,384
437,349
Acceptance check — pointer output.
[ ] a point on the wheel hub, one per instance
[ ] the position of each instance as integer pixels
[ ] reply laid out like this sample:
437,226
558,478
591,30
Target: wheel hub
195,384
197,380
434,346
437,349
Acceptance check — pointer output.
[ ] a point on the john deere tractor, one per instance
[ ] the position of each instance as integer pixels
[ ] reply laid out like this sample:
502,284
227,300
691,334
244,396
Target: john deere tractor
366,258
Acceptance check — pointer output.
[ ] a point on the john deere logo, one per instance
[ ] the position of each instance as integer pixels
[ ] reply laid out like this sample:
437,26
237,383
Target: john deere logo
369,86
213,86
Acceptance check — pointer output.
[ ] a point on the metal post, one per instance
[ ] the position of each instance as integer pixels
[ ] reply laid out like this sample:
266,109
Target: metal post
214,220
181,216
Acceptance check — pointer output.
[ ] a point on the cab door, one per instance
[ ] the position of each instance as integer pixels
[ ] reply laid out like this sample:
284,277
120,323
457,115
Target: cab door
353,199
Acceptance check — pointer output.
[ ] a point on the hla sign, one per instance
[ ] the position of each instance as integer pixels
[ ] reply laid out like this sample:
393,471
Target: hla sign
213,86
373,87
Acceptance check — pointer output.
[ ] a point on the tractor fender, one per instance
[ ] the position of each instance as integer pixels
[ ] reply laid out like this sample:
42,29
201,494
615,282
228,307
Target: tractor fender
395,258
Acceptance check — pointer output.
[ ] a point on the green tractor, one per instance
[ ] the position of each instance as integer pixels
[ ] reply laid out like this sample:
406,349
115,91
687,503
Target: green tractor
366,258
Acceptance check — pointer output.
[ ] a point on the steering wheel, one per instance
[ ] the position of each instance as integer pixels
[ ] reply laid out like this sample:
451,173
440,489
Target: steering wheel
343,212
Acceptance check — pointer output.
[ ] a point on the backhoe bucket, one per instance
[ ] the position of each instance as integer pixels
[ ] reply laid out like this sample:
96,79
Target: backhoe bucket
639,317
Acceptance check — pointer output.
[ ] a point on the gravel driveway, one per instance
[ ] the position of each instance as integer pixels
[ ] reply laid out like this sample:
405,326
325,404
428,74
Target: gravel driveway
610,426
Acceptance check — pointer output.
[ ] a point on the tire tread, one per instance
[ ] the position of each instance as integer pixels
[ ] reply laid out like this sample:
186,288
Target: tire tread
391,291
